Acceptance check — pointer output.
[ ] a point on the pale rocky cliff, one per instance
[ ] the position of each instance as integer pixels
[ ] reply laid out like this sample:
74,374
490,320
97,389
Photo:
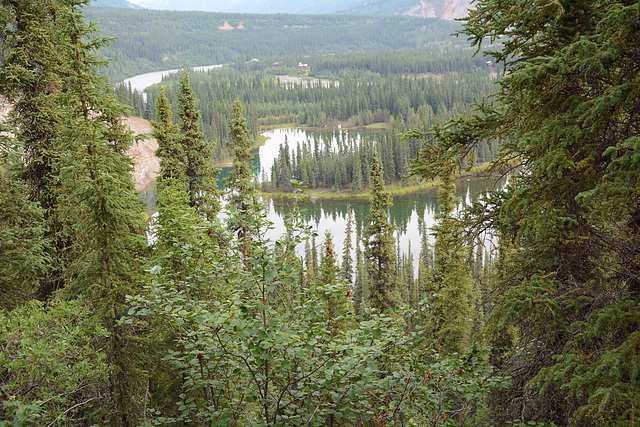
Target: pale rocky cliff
146,164
444,9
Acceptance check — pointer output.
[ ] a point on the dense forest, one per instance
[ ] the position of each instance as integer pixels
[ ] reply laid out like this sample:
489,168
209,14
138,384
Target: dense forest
154,40
198,319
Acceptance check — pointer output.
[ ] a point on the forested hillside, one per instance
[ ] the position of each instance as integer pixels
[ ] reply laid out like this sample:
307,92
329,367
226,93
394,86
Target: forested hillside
153,40
199,318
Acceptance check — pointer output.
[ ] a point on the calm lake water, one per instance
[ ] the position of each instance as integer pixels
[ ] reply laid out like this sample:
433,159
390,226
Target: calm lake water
408,212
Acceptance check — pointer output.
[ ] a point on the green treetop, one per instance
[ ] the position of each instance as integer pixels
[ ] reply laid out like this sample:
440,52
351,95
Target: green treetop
241,174
239,181
335,295
347,257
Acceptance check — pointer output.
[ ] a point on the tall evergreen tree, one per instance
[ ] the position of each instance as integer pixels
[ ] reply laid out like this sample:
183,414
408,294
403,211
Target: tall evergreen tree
347,258
284,179
335,295
170,151
379,243
357,182
241,173
33,55
96,175
199,169
451,283
240,178
361,288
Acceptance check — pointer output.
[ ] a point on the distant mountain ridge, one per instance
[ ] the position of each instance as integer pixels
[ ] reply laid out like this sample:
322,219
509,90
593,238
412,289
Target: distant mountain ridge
121,4
251,6
444,9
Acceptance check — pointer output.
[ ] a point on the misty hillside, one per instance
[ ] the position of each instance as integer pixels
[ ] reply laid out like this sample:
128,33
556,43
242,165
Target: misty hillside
123,4
252,6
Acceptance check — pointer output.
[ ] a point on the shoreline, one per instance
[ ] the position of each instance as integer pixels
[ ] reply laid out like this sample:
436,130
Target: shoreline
393,190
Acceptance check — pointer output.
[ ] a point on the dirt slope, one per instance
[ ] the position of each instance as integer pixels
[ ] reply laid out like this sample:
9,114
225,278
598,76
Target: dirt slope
147,164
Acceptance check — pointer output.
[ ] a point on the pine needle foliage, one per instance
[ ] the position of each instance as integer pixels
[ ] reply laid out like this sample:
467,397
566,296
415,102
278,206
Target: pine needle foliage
347,258
568,278
96,178
170,151
378,242
197,153
239,183
25,249
31,73
451,283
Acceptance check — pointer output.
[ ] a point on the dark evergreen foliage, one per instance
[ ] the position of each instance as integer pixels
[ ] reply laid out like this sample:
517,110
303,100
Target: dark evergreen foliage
378,241
197,153
31,73
450,286
170,150
565,324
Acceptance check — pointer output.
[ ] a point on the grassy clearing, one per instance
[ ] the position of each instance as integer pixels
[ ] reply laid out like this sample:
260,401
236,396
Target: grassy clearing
259,141
379,125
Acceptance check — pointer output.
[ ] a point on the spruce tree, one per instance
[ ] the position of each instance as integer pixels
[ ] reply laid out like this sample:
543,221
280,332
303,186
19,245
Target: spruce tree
347,259
284,178
241,173
411,283
335,295
31,73
361,291
25,250
96,176
357,184
170,151
239,180
451,282
378,242
197,153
